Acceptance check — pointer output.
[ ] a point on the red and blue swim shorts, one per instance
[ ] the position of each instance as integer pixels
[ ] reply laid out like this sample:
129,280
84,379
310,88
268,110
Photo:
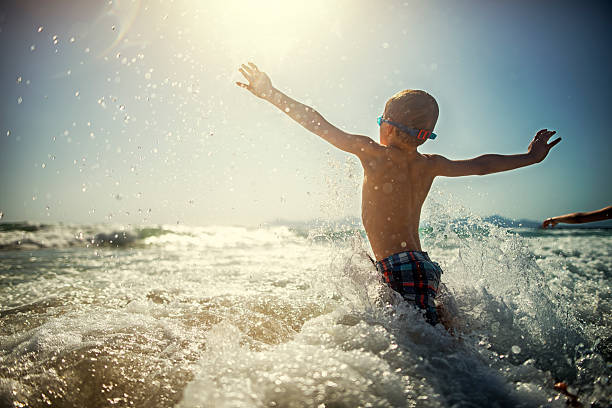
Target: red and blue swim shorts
414,276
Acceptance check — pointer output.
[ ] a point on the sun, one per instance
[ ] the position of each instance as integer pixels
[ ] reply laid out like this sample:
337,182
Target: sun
269,26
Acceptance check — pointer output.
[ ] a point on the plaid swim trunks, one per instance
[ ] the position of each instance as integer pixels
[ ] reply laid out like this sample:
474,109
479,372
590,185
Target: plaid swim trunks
414,276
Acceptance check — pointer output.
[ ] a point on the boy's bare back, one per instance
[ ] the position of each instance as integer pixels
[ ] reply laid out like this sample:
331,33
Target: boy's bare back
395,185
397,178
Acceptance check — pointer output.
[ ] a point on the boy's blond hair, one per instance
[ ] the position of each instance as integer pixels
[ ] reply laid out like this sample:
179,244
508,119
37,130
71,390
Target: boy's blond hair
413,108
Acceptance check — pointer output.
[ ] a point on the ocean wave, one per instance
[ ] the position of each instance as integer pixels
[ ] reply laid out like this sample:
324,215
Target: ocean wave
26,236
232,316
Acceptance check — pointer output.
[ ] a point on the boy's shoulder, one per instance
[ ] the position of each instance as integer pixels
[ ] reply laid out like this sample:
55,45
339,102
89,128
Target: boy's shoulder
391,159
414,157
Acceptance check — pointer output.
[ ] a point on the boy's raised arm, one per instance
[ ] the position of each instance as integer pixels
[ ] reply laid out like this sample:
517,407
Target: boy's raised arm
261,86
495,163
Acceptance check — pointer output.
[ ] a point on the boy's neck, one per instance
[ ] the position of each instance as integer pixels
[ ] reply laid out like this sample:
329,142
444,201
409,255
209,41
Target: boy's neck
405,148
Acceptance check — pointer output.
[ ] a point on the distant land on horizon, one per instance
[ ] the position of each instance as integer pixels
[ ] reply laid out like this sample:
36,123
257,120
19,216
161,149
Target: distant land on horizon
496,220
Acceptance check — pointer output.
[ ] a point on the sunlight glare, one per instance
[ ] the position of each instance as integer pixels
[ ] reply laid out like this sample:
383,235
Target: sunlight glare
269,26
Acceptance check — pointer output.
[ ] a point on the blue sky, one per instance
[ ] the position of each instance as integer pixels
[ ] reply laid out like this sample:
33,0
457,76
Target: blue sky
126,111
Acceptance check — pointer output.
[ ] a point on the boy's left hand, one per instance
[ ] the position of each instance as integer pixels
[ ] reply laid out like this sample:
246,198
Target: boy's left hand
539,146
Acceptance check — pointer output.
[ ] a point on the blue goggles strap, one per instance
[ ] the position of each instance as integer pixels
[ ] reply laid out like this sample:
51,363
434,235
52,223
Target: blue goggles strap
418,133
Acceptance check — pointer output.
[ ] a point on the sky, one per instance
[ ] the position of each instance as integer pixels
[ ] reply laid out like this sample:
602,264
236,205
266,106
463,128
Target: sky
127,111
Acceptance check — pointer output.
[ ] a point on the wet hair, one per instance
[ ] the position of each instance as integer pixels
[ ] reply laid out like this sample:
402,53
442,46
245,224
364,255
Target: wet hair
413,108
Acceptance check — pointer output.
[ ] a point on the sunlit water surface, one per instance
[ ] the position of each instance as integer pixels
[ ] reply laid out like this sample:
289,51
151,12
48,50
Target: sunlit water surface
297,317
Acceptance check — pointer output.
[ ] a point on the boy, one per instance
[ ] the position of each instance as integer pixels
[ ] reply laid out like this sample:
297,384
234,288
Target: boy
397,179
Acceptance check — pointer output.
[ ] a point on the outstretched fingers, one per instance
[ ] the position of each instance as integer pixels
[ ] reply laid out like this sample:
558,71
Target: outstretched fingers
247,75
253,67
258,82
250,70
553,143
544,135
549,134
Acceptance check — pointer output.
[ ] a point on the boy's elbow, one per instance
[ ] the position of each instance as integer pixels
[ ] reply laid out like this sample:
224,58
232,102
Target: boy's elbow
481,167
483,170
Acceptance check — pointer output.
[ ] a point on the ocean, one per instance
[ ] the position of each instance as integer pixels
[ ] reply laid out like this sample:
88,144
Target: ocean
296,316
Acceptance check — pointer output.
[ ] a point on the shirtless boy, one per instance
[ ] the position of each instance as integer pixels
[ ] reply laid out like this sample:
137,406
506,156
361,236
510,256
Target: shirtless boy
397,178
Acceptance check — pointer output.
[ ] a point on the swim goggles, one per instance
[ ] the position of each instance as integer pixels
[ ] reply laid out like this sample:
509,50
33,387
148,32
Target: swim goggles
418,133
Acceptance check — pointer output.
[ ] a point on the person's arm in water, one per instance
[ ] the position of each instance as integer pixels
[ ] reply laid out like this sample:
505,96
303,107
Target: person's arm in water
495,163
261,86
580,217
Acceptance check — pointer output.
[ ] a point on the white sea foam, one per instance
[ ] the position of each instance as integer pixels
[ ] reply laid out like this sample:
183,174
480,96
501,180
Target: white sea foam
230,316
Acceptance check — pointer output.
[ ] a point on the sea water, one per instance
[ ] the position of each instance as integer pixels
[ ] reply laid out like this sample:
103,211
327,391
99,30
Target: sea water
286,316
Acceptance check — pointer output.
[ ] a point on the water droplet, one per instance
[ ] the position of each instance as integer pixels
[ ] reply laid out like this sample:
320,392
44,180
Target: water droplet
8,133
19,100
113,28
18,79
403,244
72,39
385,45
83,187
287,110
516,349
121,107
40,29
32,47
43,165
76,93
87,50
147,75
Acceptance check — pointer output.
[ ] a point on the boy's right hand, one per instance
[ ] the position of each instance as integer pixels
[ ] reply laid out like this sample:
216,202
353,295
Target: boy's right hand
259,83
539,146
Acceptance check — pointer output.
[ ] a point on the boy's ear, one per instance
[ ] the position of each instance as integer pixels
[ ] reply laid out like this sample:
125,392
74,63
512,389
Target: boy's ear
393,131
